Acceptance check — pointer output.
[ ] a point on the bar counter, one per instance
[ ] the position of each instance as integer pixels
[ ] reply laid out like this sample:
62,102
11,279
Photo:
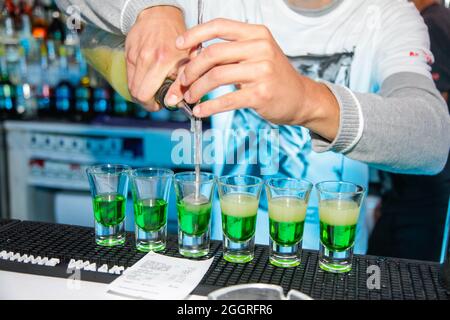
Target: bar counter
399,279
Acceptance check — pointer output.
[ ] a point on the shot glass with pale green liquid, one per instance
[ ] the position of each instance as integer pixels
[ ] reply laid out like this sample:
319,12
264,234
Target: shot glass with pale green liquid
239,201
339,208
194,198
150,188
109,189
287,203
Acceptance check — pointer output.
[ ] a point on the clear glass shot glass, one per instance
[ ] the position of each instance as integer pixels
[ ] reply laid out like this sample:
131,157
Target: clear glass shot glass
150,189
287,203
239,201
194,202
109,190
339,208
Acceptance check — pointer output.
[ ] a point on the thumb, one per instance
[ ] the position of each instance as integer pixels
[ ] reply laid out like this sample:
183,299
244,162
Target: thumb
176,91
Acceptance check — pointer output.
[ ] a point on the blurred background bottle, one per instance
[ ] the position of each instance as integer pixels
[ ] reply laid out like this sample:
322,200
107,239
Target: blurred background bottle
44,74
7,89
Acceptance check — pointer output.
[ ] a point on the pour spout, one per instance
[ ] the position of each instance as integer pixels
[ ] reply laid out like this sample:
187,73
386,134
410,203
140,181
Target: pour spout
182,105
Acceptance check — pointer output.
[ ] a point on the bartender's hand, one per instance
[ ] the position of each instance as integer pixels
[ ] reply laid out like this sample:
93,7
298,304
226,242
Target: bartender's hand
267,82
151,53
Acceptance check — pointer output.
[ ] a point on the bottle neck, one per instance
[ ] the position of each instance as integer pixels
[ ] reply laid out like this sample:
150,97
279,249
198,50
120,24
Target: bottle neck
26,25
9,27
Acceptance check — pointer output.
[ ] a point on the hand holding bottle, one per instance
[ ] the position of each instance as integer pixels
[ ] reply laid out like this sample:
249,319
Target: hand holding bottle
151,53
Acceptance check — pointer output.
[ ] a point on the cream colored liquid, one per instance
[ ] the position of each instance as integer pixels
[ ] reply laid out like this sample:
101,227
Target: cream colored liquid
239,205
339,212
287,209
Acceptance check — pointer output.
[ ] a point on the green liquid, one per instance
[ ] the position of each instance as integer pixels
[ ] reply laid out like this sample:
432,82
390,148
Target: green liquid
193,219
238,229
287,220
337,238
338,220
286,233
239,216
109,209
150,214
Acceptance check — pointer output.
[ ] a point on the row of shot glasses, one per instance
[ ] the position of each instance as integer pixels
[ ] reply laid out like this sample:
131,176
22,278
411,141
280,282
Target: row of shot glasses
339,208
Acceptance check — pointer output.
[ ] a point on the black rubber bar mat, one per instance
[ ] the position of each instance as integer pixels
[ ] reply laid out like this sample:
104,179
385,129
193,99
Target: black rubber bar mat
399,279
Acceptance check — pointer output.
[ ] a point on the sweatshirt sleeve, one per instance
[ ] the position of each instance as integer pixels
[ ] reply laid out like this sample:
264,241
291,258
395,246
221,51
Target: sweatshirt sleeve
115,16
404,129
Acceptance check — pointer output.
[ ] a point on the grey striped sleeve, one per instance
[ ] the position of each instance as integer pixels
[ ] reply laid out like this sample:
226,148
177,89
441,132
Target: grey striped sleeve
115,16
406,127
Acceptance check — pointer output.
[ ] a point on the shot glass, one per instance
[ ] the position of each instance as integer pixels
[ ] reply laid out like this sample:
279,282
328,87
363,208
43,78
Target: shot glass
239,201
194,199
109,190
288,200
150,189
339,208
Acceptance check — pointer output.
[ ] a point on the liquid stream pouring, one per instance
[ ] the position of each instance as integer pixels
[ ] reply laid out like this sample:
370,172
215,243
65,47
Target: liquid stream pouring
196,124
196,128
106,53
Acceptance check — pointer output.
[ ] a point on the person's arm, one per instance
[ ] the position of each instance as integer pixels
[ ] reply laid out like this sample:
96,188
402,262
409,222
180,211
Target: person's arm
405,128
115,16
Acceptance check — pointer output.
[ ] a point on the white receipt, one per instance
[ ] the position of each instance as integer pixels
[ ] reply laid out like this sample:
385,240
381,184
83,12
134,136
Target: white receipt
159,277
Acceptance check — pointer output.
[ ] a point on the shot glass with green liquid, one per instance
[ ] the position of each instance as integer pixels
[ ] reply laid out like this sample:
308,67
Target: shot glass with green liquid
150,188
109,190
194,198
339,208
239,201
287,203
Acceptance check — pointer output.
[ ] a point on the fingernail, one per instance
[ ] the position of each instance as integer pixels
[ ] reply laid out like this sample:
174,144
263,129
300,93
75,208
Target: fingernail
183,79
187,96
196,111
172,100
180,41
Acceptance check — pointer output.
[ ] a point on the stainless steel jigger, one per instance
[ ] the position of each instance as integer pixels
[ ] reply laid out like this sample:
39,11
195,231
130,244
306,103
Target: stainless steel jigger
182,105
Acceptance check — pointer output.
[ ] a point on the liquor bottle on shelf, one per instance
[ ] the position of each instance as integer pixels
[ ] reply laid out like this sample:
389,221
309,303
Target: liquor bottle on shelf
12,10
25,7
120,106
56,28
43,90
26,101
101,104
9,6
26,39
7,89
11,42
4,13
44,101
63,93
83,97
101,100
52,75
40,23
